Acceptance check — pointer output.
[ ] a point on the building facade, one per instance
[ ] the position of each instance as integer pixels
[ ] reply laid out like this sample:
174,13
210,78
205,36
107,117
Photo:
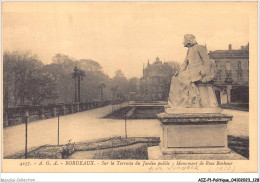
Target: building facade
155,83
232,74
231,80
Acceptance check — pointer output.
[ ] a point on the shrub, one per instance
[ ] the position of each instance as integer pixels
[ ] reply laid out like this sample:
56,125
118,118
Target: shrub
68,149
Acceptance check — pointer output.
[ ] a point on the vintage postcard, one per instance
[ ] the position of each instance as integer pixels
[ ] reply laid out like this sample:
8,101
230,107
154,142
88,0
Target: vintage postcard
129,87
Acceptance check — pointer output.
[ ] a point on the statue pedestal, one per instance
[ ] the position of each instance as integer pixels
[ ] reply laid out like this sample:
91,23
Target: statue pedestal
181,110
201,133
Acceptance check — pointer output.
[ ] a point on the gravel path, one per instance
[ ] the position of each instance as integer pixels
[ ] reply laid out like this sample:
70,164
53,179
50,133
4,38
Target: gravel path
90,125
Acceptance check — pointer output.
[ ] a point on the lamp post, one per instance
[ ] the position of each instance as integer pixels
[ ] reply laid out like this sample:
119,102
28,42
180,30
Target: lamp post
75,76
101,86
229,82
26,120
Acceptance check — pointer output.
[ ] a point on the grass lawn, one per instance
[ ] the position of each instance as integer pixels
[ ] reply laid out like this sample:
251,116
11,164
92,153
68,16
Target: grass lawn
138,113
115,148
129,146
240,145
233,106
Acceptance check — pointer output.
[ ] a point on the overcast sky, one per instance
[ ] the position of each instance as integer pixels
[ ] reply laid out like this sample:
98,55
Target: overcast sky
121,35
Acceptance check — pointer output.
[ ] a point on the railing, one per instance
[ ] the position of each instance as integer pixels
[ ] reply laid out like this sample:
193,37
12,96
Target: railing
116,107
13,116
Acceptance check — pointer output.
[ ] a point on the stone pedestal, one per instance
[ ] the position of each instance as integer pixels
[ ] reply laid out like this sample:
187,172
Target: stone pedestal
154,153
229,87
54,111
71,108
201,133
41,113
63,108
77,107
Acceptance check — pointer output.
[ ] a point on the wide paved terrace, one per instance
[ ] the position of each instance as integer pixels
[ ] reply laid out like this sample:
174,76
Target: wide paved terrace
90,125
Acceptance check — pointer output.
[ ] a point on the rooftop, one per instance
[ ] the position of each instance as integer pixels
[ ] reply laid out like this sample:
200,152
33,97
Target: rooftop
229,54
243,53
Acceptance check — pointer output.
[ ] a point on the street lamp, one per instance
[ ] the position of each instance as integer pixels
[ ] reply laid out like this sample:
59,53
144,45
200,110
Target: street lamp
229,82
75,75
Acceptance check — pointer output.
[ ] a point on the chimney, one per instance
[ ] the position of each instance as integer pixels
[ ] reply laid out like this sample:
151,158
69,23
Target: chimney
242,48
230,47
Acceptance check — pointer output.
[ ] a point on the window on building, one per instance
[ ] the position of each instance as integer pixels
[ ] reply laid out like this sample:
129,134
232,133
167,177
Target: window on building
218,75
239,75
228,74
218,65
238,65
228,67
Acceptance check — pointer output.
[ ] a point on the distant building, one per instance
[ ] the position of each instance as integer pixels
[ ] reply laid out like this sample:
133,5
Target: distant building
155,83
232,74
231,80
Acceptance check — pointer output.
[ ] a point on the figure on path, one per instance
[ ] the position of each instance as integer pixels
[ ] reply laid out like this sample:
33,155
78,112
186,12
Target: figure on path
197,67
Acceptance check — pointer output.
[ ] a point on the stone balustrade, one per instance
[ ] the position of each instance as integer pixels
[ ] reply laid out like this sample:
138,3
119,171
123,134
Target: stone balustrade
117,106
13,116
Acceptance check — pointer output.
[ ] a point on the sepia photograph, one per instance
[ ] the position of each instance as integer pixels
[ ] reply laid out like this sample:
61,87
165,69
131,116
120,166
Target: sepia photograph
129,87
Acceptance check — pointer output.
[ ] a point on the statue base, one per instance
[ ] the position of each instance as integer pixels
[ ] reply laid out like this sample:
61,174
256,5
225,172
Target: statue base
154,153
179,110
201,133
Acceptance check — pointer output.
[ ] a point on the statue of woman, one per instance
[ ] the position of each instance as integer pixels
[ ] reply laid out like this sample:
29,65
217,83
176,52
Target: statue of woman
197,67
